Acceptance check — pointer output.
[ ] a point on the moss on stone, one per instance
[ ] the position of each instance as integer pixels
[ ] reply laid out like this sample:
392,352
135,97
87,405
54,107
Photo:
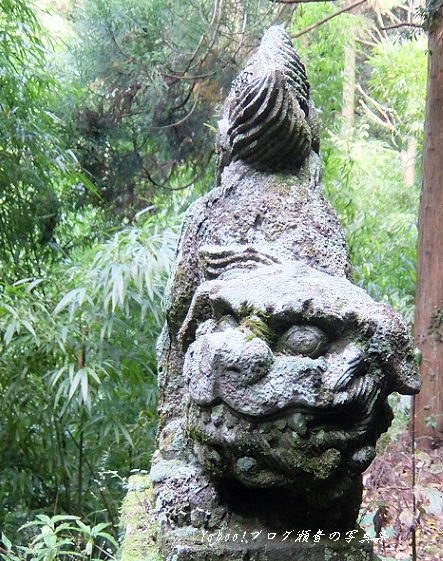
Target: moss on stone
140,530
258,328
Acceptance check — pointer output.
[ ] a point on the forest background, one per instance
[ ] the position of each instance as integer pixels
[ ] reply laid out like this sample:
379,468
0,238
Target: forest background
107,116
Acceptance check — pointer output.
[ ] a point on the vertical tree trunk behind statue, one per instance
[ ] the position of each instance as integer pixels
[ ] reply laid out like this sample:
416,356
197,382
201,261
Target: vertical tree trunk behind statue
429,296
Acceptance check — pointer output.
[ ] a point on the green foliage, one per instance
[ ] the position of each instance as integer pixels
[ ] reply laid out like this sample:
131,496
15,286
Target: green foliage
363,167
77,370
258,328
152,73
398,77
363,181
322,52
35,166
61,538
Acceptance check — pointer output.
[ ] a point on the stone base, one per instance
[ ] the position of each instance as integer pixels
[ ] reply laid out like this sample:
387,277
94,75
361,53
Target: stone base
146,539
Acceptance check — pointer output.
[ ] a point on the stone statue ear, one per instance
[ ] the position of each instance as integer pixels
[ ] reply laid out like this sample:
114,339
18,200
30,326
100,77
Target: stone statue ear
199,311
393,346
407,380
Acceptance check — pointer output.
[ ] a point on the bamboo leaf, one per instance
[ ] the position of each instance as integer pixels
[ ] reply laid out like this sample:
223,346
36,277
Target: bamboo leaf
75,384
34,284
66,300
29,327
95,531
10,309
85,386
7,543
12,328
125,433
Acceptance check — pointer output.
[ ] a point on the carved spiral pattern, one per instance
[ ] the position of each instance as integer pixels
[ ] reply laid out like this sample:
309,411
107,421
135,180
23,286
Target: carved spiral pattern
278,48
269,108
267,127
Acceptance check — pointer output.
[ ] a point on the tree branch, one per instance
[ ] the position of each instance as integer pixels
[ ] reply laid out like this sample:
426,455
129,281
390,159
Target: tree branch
404,24
375,117
393,17
327,18
180,122
381,23
367,43
165,187
385,111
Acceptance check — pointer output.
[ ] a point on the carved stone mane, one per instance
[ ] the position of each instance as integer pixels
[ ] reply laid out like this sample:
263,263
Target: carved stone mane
269,122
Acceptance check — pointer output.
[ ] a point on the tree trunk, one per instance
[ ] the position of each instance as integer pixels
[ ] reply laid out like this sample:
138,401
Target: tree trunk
429,296
408,158
349,86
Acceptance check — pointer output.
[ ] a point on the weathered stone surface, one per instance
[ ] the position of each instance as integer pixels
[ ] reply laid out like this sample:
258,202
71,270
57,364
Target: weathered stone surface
141,544
274,369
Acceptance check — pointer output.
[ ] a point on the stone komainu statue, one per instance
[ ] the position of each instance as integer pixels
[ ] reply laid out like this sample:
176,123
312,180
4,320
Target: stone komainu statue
274,369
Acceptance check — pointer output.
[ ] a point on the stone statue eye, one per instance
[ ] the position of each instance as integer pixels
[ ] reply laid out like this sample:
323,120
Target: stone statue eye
306,340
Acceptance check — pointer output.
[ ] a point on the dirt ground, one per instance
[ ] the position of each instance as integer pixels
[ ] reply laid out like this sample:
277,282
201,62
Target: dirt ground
388,506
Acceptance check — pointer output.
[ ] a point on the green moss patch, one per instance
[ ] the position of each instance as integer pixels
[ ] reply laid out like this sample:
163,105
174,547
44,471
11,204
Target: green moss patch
140,530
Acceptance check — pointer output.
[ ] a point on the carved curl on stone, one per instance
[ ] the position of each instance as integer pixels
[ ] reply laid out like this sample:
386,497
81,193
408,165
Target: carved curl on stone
269,121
